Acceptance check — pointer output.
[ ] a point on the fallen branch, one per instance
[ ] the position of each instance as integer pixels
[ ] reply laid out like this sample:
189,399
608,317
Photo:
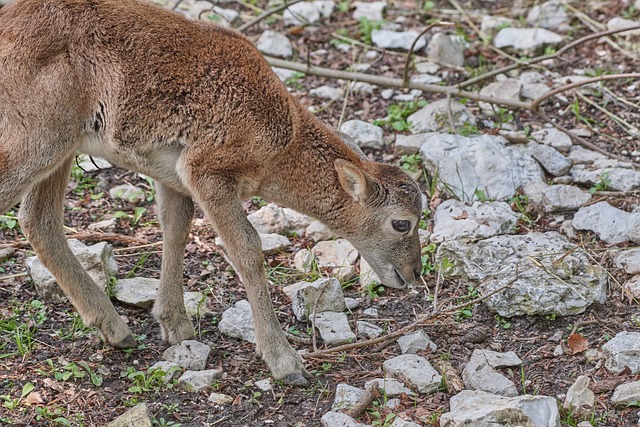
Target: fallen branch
371,393
85,235
266,14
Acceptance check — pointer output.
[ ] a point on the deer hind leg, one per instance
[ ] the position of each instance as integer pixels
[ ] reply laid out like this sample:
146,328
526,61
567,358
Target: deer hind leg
175,213
218,195
41,220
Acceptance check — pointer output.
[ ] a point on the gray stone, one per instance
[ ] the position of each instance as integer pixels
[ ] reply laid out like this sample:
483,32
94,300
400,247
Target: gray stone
6,253
285,75
102,225
580,155
97,260
237,322
334,328
303,260
551,15
410,144
551,159
220,399
505,89
579,398
373,11
138,416
368,330
365,134
322,295
555,198
623,351
490,25
387,39
92,164
371,312
302,13
626,394
481,409
346,397
545,283
479,374
617,175
612,225
618,23
425,79
264,385
317,232
170,369
399,422
339,255
387,93
446,50
632,286
194,381
424,66
456,220
272,243
391,386
367,277
435,117
416,342
137,291
228,15
326,92
526,40
483,164
339,419
352,303
275,44
500,360
415,371
196,304
188,354
533,90
629,261
271,219
128,192
514,136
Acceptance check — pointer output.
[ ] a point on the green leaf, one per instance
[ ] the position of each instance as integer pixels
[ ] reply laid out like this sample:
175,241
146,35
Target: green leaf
26,389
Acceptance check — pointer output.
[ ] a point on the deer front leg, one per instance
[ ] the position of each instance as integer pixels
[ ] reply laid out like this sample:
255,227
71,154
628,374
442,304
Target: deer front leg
41,220
218,196
175,212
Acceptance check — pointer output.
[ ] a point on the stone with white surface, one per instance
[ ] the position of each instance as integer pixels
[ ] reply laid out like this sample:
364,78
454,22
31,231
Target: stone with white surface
610,174
504,89
346,397
626,394
555,198
554,138
371,10
391,386
480,374
220,399
402,40
274,44
338,255
334,328
446,49
317,232
551,159
490,25
321,295
138,416
623,351
339,419
629,261
368,330
632,286
579,398
434,117
137,291
303,260
410,144
415,371
188,354
365,134
237,322
551,15
526,40
416,342
327,92
194,381
272,243
367,277
128,192
612,225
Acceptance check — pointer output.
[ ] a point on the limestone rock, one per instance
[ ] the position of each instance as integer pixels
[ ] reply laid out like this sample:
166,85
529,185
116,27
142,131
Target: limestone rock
617,175
170,369
611,224
275,44
322,295
373,10
526,40
551,15
414,371
128,192
387,39
505,89
318,232
545,284
303,260
197,380
629,260
138,416
365,134
410,144
346,397
627,393
339,255
137,291
272,243
551,159
490,25
579,397
327,92
472,221
554,138
623,351
368,330
339,419
555,198
367,277
445,49
479,374
416,342
237,322
307,12
434,117
391,386
334,328
188,354
220,399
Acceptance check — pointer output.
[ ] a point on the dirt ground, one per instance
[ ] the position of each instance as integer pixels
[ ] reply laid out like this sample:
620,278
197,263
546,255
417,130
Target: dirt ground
81,382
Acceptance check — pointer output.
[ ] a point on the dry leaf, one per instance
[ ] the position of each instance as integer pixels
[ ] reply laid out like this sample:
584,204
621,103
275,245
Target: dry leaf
463,215
577,343
33,398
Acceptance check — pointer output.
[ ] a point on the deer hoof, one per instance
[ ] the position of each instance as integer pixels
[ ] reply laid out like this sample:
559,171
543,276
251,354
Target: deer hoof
128,342
297,379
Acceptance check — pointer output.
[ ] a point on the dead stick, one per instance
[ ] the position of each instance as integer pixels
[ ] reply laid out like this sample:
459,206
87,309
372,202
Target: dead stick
266,14
371,393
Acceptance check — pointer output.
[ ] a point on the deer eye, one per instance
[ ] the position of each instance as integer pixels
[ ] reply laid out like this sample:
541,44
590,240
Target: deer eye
401,226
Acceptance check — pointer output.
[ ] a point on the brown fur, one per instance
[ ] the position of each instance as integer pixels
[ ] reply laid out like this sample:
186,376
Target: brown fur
197,108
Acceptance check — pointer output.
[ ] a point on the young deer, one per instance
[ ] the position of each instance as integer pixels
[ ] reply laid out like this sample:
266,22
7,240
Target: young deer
196,107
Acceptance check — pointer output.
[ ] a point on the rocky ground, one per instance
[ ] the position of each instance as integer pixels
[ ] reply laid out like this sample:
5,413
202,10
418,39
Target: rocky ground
528,238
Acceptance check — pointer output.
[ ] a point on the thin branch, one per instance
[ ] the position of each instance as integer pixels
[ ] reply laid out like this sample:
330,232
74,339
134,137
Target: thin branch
371,393
266,14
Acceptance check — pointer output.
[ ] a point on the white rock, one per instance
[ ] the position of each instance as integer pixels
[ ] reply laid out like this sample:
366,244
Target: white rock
402,40
264,385
485,163
91,164
334,328
365,134
416,342
446,50
275,44
102,225
339,419
533,90
414,371
555,198
367,277
326,92
127,192
526,40
97,260
188,354
352,303
193,381
220,399
551,15
229,15
322,295
481,409
410,144
268,219
399,422
490,25
579,398
623,351
137,291
237,322
346,397
505,89
617,178
196,304
387,93
434,117
612,225
274,243
479,374
617,23
627,393
285,75
391,386
368,330
317,232
425,79
632,286
339,255
580,155
544,283
629,260
303,260
302,13
170,369
472,221
551,159
138,416
373,11
425,66
362,87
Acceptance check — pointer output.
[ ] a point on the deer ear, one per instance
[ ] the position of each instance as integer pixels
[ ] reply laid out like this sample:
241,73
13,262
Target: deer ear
354,181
